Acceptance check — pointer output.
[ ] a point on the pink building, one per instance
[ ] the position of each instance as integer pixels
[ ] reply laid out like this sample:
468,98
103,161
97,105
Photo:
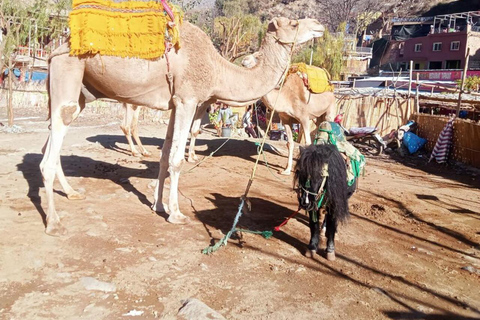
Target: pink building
434,43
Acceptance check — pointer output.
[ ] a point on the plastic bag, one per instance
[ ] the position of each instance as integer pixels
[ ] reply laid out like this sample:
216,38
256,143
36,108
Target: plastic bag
413,142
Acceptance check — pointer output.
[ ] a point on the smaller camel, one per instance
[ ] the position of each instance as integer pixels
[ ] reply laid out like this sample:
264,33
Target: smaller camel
296,104
130,128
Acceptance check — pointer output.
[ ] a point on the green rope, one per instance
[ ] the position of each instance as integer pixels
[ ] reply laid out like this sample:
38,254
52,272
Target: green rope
224,240
266,234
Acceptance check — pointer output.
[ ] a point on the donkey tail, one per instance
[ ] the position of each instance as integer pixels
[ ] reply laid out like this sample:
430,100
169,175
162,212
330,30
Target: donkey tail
337,188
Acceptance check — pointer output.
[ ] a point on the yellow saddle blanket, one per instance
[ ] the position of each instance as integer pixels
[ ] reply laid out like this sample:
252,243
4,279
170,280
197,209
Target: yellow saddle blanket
316,79
122,28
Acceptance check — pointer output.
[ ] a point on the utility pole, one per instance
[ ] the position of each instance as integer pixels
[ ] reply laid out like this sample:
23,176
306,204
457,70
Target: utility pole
464,76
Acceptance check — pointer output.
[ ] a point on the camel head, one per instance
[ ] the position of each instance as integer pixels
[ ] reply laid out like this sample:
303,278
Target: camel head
285,30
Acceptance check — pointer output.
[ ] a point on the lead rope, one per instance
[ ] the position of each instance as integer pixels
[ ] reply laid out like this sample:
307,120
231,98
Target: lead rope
244,200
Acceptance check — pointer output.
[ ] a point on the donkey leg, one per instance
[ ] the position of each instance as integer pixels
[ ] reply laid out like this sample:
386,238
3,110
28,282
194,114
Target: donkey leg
313,222
331,230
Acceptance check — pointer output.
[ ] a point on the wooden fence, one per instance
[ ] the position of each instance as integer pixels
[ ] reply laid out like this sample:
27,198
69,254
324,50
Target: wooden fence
466,136
384,113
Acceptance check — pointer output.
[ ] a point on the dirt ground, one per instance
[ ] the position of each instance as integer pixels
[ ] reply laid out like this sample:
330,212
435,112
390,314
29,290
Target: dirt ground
413,228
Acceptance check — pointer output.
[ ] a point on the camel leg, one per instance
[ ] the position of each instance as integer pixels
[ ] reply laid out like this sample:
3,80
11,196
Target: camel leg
127,127
306,131
194,132
158,205
64,109
290,146
185,111
134,130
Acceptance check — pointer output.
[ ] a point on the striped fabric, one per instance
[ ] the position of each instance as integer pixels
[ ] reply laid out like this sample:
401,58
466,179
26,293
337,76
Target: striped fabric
444,142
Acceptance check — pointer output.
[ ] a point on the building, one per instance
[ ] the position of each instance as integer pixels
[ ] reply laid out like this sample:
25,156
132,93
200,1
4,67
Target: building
434,43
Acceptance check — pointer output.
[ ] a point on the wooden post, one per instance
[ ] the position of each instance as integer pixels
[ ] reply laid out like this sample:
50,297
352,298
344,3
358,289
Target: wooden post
464,76
417,100
409,86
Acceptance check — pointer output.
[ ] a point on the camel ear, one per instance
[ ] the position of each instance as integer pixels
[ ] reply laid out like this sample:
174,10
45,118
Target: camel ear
273,25
302,149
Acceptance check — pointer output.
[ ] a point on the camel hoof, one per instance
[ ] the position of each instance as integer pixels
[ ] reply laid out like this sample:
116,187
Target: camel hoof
146,154
331,256
136,154
286,172
310,253
76,196
191,160
178,219
56,229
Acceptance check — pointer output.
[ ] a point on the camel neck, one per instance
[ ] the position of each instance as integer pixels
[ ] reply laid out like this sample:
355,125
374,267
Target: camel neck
236,85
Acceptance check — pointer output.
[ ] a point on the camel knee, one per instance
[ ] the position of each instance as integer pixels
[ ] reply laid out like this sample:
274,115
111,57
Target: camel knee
175,165
126,130
70,112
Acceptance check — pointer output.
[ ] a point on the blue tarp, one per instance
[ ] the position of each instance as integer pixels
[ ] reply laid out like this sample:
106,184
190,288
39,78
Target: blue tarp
36,75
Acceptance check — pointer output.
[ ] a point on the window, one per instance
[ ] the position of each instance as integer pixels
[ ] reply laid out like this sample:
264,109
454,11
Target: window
437,46
416,66
453,64
418,47
435,65
455,45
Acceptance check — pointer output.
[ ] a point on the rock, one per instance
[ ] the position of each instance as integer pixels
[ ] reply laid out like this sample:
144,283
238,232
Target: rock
471,269
93,284
133,313
194,309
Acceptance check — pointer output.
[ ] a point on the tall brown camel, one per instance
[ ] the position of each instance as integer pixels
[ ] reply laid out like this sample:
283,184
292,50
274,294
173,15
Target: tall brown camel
200,76
296,104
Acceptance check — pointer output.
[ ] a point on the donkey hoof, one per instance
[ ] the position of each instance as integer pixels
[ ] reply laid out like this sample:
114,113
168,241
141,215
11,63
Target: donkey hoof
56,230
331,256
310,253
76,196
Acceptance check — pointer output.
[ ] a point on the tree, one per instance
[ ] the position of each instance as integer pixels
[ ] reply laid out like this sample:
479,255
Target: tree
328,53
17,18
236,32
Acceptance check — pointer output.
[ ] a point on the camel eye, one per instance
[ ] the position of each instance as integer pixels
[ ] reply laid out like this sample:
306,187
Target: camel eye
294,23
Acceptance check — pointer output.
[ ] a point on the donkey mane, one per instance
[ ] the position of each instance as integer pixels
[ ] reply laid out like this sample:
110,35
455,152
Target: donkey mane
309,166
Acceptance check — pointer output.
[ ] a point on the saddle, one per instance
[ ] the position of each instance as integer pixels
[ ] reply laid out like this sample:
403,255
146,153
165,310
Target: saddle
331,132
135,29
317,80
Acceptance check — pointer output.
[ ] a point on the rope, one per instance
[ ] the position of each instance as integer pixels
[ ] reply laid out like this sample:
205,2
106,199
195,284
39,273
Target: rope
244,199
266,163
207,157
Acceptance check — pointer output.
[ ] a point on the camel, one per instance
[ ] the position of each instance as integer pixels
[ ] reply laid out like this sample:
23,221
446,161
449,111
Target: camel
196,75
296,104
129,127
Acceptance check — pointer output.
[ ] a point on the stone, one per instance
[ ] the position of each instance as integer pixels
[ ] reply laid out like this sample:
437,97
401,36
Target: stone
93,284
194,309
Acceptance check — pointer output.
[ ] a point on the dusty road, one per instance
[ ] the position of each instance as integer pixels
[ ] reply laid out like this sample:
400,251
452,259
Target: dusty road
413,228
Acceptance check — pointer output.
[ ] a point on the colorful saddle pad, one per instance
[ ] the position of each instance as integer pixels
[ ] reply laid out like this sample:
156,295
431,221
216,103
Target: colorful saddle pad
122,28
316,79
